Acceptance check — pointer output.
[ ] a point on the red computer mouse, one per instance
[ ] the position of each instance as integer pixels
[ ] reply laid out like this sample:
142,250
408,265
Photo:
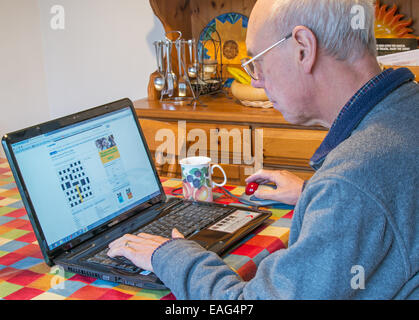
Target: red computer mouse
251,188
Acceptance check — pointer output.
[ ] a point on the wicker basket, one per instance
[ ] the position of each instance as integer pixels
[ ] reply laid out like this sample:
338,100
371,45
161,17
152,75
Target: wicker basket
257,104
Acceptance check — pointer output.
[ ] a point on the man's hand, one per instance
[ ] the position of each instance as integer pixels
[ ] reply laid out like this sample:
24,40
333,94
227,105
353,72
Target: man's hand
140,248
289,186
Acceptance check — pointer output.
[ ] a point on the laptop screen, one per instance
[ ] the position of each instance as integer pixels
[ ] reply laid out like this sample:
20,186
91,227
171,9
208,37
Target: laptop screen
83,175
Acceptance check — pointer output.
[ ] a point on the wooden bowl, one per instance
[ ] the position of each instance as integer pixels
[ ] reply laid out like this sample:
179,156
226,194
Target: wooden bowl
245,92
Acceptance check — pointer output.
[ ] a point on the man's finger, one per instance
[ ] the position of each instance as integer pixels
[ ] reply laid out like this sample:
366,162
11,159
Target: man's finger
142,236
267,194
123,239
138,254
120,251
176,234
260,176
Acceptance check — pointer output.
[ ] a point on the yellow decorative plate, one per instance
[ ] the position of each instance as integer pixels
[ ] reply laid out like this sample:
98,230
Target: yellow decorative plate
231,29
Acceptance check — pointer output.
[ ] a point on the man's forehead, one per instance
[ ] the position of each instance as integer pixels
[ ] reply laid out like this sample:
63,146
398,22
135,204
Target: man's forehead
261,12
258,27
257,38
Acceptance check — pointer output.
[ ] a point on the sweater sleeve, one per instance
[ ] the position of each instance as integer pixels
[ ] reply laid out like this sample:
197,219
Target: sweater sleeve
191,272
342,238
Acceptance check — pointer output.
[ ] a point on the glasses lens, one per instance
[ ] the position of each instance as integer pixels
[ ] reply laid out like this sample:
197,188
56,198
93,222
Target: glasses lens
249,68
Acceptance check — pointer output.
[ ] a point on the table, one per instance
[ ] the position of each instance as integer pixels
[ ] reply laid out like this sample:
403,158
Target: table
25,276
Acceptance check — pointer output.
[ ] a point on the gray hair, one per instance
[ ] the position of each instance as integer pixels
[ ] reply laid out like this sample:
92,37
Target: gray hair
344,28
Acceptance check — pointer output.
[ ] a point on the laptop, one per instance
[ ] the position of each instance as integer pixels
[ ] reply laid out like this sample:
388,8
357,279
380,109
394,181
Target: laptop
88,178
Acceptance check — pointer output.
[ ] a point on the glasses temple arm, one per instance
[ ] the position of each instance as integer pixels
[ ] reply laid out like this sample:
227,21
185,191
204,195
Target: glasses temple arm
266,50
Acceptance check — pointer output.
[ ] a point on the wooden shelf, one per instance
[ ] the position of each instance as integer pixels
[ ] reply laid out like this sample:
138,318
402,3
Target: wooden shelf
219,109
285,146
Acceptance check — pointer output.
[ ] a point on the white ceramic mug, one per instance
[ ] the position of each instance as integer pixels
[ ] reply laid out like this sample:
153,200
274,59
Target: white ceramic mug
196,178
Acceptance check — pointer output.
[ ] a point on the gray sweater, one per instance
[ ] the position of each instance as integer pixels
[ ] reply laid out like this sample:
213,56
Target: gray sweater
355,229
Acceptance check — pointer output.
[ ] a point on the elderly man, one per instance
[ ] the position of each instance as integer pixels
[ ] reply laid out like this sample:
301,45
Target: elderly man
355,229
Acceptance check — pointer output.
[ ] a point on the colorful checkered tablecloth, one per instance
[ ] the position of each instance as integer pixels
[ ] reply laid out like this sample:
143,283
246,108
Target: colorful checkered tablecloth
25,276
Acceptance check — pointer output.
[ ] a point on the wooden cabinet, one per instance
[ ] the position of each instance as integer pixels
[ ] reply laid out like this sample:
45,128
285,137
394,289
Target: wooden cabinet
228,133
290,147
241,139
172,140
223,129
192,15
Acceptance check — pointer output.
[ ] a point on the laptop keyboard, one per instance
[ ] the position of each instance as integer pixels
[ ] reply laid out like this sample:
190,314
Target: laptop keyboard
187,217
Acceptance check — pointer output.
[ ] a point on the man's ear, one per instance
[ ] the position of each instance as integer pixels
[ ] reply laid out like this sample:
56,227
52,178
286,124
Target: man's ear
306,47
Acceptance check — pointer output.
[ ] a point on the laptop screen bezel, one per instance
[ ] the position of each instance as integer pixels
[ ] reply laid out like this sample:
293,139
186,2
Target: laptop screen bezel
9,139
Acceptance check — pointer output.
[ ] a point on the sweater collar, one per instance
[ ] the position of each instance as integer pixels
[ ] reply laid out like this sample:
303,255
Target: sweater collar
355,110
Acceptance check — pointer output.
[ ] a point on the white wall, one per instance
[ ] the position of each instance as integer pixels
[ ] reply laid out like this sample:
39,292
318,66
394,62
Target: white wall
23,92
103,54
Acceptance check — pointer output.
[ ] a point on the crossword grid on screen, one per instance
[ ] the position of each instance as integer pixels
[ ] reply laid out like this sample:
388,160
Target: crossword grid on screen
75,183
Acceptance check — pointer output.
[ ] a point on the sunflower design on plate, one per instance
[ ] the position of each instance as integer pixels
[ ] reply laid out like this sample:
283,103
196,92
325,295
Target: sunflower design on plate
231,28
389,24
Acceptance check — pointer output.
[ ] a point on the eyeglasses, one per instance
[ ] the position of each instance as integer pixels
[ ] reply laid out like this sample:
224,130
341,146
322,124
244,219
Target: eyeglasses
248,63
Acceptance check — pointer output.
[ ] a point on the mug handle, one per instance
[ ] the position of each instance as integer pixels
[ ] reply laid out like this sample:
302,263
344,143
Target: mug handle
225,176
